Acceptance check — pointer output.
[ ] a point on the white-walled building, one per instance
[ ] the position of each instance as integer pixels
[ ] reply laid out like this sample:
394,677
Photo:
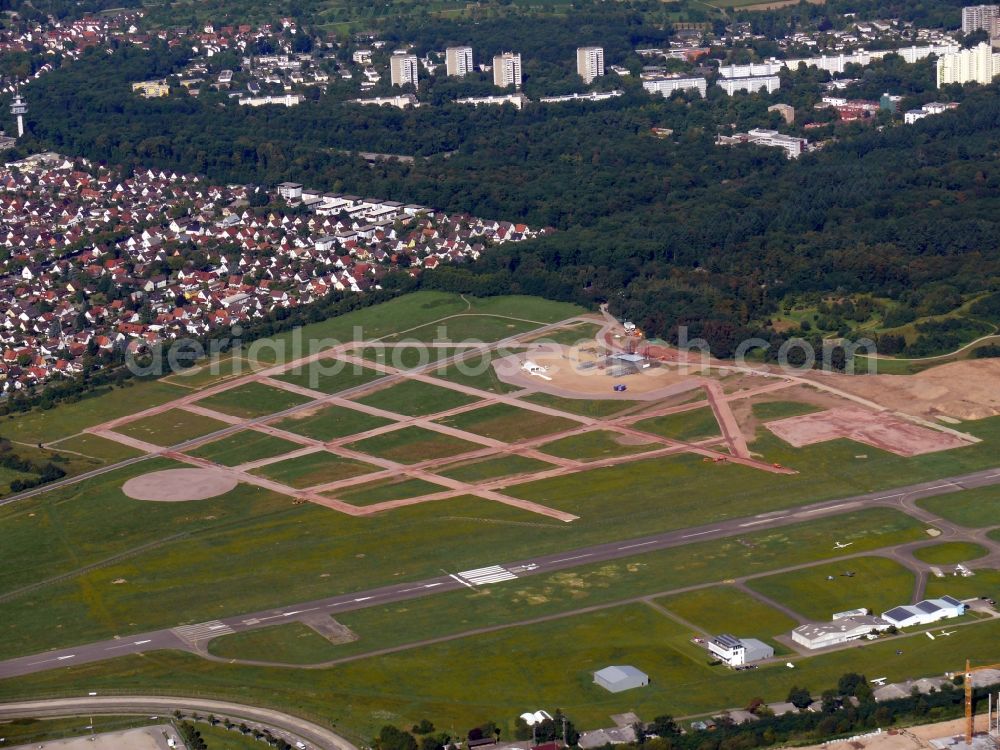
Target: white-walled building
403,69
739,651
667,86
792,145
402,101
841,630
931,108
592,96
518,100
750,84
507,70
590,63
979,64
925,612
458,61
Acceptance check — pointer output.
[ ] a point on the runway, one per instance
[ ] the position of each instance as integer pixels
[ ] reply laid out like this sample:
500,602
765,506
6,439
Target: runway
194,638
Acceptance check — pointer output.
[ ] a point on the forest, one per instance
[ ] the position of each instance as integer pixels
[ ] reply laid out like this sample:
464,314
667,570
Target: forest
672,231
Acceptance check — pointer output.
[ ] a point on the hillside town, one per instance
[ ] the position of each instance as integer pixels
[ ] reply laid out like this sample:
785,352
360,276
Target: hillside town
94,261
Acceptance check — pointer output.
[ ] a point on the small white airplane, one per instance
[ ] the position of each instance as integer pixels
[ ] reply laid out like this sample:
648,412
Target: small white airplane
841,545
789,665
880,681
929,635
948,632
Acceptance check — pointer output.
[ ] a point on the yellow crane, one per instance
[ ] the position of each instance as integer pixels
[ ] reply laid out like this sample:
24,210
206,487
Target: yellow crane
969,716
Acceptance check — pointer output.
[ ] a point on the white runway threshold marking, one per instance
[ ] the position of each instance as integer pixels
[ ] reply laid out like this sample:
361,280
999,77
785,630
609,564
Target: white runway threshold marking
202,631
490,574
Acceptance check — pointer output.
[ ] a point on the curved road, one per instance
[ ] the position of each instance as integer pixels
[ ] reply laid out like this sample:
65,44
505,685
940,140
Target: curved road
293,728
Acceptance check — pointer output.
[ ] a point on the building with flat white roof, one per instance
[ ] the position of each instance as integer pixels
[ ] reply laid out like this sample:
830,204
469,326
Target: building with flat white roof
507,70
667,86
924,612
404,69
841,630
458,61
618,678
739,651
402,101
590,63
750,84
518,100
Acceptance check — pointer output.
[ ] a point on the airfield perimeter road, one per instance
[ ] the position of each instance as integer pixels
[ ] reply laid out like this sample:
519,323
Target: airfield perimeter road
292,728
193,638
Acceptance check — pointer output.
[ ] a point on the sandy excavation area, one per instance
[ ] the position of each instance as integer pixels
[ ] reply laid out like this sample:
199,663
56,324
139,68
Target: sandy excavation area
911,738
576,373
969,389
178,485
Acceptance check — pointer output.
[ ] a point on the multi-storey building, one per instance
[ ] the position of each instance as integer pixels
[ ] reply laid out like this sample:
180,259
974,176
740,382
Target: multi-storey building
507,70
458,61
667,86
403,69
978,65
750,84
975,17
590,63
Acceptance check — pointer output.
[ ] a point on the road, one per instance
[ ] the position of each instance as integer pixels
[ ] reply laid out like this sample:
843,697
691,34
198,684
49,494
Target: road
194,638
292,728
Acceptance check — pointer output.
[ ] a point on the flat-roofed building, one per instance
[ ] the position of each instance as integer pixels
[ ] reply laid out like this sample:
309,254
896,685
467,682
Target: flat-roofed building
458,61
507,70
590,63
667,86
843,629
404,69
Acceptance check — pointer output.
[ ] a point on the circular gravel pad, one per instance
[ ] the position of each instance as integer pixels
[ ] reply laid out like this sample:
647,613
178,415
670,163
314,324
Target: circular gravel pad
176,485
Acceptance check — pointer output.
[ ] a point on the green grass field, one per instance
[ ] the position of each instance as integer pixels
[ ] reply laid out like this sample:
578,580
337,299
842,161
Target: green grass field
491,468
983,583
210,373
950,553
475,371
291,643
590,446
171,427
414,398
507,423
330,423
314,468
96,447
579,334
598,408
242,447
330,376
411,445
685,425
767,411
253,400
381,491
554,666
878,584
220,738
978,508
712,610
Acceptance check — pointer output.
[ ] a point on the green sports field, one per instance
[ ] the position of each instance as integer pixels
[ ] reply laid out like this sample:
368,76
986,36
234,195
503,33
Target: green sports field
330,423
411,445
415,398
507,423
242,447
171,427
253,400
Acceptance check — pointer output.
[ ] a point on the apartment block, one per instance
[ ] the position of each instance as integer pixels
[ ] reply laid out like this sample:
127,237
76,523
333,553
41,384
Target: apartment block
590,63
403,69
507,70
458,61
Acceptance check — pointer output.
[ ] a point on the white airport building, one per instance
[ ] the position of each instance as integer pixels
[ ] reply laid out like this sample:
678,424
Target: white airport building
736,652
846,626
924,612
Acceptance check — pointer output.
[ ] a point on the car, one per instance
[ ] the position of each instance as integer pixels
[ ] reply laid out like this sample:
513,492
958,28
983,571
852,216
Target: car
619,387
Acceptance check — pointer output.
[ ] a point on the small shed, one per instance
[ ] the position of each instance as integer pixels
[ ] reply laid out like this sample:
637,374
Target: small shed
622,677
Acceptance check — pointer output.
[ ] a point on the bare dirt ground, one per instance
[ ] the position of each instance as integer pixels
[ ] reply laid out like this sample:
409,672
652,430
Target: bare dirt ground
912,738
178,485
880,430
147,738
968,389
